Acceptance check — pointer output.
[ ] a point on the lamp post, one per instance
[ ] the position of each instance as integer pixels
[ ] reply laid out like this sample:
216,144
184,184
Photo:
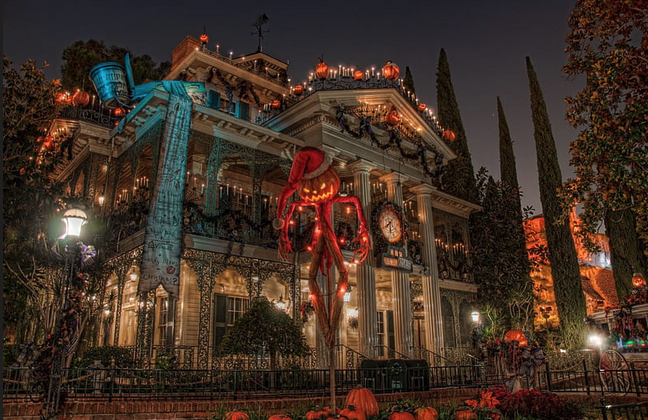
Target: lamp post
66,325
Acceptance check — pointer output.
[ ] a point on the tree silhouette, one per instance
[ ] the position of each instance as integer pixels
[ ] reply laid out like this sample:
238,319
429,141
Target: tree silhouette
565,271
459,178
265,329
607,44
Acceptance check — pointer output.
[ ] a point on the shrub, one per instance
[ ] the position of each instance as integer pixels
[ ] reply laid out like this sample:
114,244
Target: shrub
536,404
105,354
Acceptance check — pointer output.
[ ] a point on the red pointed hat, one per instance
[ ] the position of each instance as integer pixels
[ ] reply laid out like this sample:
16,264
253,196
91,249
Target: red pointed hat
309,163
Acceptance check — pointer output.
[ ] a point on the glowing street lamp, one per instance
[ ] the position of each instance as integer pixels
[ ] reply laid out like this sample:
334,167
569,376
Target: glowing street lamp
474,315
74,219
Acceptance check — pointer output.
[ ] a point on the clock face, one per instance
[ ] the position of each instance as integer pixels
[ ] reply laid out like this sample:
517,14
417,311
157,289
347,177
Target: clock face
390,225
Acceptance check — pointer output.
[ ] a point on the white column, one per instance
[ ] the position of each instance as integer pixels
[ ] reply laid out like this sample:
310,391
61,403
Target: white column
433,317
365,271
402,305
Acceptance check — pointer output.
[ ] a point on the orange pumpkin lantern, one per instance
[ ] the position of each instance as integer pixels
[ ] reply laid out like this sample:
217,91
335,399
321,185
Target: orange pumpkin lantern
390,71
352,414
426,413
421,107
80,98
276,104
236,415
401,415
322,69
358,75
298,90
204,38
517,335
638,280
392,117
363,399
321,188
119,112
449,135
63,98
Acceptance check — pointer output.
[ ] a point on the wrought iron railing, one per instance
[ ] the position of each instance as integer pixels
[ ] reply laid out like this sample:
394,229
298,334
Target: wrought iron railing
90,114
389,353
348,358
431,357
114,383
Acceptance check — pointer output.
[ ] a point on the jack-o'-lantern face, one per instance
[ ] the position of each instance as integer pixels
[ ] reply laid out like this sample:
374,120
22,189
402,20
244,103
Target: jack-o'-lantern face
321,188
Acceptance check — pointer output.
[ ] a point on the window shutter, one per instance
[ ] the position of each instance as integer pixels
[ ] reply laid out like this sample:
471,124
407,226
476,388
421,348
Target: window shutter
220,315
391,342
213,99
243,110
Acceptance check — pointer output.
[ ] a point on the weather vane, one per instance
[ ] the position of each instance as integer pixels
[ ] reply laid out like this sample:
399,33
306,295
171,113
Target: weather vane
261,20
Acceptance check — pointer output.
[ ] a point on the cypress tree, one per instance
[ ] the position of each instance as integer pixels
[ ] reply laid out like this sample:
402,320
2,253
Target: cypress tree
408,81
626,255
508,173
570,300
459,178
513,214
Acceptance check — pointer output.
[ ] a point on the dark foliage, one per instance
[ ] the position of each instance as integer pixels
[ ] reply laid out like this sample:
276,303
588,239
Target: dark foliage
570,300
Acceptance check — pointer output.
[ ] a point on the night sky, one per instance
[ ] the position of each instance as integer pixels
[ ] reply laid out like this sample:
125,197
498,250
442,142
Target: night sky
486,43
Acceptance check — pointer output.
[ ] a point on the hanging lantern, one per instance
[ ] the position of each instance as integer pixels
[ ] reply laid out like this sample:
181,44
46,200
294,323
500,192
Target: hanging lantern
204,38
322,69
421,107
390,71
392,117
517,335
119,112
298,90
358,75
80,98
276,104
638,280
449,135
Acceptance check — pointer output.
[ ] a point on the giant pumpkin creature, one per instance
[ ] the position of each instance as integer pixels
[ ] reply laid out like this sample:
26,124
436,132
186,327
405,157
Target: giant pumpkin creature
317,182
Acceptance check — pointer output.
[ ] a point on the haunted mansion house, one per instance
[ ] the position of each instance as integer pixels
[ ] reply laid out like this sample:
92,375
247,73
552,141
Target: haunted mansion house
190,170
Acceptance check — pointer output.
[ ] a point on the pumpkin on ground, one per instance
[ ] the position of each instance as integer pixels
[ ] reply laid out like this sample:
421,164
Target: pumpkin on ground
279,417
316,412
363,399
352,413
236,415
465,414
401,415
426,413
